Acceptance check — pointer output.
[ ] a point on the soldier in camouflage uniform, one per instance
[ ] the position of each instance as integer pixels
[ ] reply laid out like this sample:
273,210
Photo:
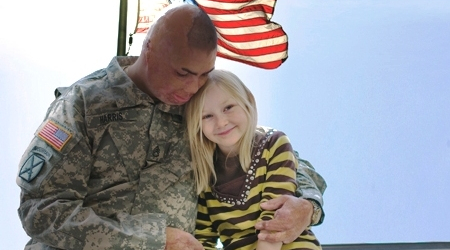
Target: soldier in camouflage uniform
109,166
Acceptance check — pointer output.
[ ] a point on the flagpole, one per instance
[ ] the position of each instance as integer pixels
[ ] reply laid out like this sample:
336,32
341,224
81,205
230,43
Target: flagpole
122,33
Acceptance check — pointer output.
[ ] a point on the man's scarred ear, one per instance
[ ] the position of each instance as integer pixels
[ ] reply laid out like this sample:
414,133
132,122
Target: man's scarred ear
147,53
148,50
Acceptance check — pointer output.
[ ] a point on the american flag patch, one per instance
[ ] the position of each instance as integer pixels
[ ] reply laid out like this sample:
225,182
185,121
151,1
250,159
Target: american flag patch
54,135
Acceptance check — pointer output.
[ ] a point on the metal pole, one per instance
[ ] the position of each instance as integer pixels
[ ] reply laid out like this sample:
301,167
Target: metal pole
122,34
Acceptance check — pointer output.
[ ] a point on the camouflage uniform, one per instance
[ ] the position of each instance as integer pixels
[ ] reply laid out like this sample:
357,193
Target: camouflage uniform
108,168
310,184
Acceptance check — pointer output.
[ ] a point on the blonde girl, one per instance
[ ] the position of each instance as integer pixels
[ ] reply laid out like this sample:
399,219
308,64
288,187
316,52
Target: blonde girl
237,165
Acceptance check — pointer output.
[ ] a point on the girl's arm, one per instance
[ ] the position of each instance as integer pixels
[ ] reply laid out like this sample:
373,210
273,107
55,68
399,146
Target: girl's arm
265,245
203,230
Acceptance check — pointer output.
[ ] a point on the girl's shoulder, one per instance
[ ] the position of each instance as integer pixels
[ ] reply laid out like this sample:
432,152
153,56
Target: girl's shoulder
267,134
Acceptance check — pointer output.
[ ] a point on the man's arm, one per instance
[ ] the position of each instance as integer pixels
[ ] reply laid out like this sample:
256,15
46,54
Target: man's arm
311,186
294,214
52,211
54,174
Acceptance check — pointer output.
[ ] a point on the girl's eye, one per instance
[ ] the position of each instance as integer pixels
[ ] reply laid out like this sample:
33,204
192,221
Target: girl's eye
206,116
229,107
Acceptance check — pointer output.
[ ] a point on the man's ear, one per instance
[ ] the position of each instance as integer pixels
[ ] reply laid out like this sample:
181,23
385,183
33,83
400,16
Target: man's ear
148,49
146,44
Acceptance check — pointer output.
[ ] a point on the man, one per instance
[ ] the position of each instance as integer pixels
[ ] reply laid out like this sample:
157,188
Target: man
109,166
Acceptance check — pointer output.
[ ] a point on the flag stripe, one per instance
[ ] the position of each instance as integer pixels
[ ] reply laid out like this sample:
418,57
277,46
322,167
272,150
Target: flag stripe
241,1
245,32
241,9
254,52
241,23
225,5
49,133
252,34
238,17
54,135
267,65
142,30
247,47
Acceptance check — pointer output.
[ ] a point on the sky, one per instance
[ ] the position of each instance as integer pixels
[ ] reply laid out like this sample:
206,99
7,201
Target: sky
364,97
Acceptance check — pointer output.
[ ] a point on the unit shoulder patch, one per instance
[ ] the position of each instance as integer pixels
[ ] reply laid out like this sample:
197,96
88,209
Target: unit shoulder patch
31,168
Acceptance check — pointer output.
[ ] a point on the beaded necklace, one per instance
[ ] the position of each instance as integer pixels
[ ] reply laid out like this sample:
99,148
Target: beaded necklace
250,176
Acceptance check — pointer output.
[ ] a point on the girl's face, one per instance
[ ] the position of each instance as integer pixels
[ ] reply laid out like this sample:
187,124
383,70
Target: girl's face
223,121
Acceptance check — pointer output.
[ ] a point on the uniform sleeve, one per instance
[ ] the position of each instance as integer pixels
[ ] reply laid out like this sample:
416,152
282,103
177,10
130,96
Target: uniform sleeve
280,176
204,231
53,175
310,184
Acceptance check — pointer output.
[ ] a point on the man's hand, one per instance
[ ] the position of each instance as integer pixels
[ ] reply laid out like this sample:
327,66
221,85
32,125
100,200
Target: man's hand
292,217
177,239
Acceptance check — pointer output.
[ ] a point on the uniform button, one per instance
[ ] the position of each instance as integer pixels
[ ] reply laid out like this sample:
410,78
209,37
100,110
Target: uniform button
156,151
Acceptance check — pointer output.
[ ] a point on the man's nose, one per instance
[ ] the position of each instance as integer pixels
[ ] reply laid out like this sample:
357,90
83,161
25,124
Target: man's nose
193,84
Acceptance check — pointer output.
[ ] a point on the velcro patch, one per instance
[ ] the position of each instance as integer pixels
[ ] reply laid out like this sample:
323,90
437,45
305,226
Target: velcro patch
31,167
54,135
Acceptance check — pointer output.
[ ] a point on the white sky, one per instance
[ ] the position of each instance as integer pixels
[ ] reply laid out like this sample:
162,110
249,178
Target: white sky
364,96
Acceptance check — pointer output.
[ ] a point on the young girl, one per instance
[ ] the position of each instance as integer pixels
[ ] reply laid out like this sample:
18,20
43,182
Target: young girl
237,165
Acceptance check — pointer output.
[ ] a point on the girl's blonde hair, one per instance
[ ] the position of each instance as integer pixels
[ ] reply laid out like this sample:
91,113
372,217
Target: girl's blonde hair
202,149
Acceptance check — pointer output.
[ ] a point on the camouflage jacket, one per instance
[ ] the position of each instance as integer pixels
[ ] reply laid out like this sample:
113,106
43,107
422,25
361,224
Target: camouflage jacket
109,169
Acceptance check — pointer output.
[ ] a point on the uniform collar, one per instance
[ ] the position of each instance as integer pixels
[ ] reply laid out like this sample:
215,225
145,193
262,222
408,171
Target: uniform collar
134,96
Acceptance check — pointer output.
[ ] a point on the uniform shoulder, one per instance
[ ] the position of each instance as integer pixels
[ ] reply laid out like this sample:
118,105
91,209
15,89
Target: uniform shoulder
269,131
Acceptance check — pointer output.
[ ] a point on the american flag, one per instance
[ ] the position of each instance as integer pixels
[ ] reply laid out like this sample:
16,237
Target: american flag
54,135
244,29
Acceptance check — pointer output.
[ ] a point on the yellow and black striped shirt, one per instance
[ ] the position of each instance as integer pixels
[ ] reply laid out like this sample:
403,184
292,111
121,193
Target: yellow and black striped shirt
230,210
